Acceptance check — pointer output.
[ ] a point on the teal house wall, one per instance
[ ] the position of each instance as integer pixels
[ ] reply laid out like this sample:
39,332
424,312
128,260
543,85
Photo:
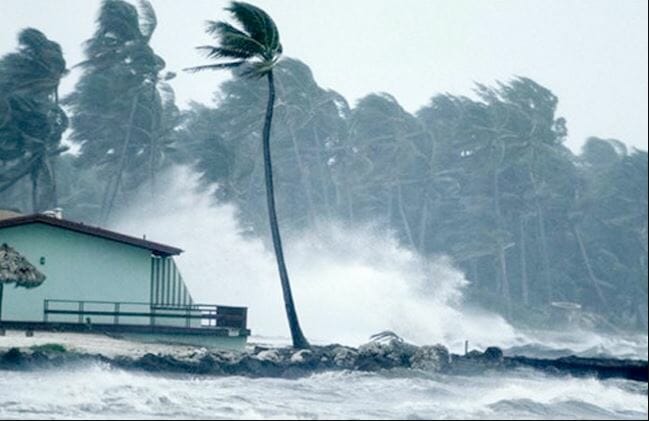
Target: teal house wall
78,267
101,279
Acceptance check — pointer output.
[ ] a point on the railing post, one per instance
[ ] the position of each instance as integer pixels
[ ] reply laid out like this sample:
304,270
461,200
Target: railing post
244,322
46,307
80,311
152,316
187,319
116,321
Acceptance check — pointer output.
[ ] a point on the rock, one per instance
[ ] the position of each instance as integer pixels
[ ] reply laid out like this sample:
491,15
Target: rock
377,355
493,355
431,358
13,357
384,354
344,357
271,355
301,356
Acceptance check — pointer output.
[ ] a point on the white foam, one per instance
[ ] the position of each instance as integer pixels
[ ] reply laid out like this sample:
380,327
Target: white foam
349,282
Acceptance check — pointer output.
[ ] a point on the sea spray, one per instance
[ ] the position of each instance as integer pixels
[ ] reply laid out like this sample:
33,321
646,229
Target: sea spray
349,281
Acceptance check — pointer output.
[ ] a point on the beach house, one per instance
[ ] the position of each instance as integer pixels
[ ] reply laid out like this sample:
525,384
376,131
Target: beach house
101,281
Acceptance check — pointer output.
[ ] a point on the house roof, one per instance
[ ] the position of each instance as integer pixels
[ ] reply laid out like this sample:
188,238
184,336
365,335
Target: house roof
155,248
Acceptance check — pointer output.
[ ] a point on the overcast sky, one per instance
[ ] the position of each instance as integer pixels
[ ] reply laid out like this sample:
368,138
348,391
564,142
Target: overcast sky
591,53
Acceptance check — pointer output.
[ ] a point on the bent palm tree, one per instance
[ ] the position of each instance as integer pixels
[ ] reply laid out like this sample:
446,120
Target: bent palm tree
256,48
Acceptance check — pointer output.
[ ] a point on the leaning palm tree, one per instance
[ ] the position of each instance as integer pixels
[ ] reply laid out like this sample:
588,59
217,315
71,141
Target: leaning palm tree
255,48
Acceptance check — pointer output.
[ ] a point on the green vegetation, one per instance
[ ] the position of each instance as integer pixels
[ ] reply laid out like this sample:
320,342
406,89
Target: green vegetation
122,110
49,348
486,180
31,120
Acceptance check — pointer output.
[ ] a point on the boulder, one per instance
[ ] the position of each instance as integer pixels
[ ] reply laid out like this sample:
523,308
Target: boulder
271,355
431,358
344,358
385,354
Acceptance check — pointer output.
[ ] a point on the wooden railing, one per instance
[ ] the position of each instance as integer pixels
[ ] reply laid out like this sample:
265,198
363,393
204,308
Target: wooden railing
209,315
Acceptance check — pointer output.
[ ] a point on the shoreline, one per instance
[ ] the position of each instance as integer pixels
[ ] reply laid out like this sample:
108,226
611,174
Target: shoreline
55,350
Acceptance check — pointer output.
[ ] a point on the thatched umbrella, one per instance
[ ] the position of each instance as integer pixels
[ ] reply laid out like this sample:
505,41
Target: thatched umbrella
15,269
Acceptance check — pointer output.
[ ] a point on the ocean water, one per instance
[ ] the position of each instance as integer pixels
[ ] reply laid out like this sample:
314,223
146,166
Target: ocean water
101,392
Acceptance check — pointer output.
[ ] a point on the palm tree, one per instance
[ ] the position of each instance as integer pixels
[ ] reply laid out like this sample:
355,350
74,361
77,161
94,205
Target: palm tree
32,121
117,106
256,49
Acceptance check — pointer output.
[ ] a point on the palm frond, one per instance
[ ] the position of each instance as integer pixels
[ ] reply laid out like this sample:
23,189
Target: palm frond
257,23
148,19
258,70
216,66
256,43
220,52
234,39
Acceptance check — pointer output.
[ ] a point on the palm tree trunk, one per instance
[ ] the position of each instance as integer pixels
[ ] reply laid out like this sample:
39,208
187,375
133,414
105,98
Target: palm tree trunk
35,206
502,256
523,254
545,258
540,219
15,174
504,286
1,294
48,199
589,268
404,217
304,174
122,162
299,341
423,226
324,174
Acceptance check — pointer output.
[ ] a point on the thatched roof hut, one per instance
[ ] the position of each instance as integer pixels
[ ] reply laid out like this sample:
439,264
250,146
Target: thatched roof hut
14,268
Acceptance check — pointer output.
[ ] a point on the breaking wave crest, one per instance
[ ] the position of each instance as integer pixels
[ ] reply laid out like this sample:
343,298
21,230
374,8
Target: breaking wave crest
349,282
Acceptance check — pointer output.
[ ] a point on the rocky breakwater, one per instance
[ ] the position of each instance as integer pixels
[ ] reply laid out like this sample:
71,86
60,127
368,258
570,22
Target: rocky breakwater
384,352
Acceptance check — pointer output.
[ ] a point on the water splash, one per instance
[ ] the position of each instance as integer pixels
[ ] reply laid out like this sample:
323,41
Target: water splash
349,282
97,391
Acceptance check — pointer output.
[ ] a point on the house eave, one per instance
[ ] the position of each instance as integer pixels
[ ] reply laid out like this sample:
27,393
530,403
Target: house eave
156,249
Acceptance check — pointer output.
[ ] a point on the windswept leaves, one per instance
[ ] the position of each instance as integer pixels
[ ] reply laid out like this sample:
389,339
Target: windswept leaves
256,42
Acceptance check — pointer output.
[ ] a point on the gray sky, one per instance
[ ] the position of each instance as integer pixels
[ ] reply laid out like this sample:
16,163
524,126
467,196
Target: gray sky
591,53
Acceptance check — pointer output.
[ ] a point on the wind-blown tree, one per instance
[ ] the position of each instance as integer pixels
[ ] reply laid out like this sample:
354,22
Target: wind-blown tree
387,167
309,126
610,228
31,120
119,107
469,150
539,171
256,48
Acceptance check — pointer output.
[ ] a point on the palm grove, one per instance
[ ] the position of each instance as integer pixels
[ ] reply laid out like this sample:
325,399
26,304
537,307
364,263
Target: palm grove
486,180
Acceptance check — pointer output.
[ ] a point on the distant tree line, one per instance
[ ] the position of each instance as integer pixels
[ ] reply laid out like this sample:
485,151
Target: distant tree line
486,180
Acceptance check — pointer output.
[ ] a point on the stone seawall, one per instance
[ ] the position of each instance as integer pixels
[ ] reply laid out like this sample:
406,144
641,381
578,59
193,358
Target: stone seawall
289,363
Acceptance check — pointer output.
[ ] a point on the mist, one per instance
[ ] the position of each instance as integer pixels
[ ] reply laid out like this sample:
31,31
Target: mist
350,282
